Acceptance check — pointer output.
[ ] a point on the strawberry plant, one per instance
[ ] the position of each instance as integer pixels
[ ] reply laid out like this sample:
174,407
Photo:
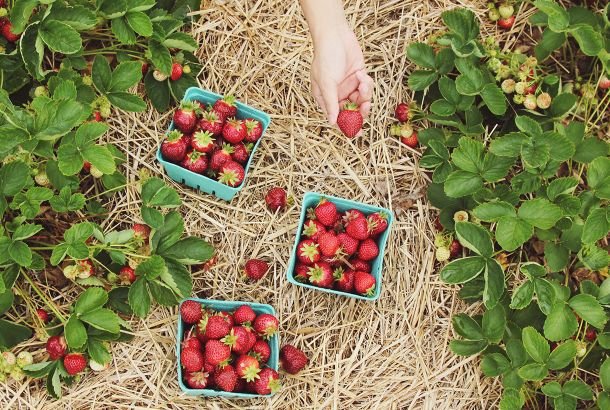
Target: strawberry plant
523,188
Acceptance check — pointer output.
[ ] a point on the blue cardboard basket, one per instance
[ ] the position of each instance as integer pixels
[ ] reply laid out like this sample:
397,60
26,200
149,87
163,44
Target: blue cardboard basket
227,305
202,182
311,199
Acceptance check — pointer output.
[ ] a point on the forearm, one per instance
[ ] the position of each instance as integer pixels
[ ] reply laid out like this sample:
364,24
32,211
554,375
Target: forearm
324,17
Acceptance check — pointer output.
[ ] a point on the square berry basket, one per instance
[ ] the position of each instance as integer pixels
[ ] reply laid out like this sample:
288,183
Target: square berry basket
202,182
227,305
310,200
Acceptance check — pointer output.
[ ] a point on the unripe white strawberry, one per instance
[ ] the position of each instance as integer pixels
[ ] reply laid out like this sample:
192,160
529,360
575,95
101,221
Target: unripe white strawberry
503,72
3,11
493,14
159,76
604,82
530,102
87,80
581,348
442,254
518,98
508,86
98,367
442,241
95,172
42,179
71,272
520,87
494,64
186,69
506,10
24,359
544,100
40,91
460,216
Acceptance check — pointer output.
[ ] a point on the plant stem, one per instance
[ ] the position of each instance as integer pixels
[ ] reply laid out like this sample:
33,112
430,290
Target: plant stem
44,298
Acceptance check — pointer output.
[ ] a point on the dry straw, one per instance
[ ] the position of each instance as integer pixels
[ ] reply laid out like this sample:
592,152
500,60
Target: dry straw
392,354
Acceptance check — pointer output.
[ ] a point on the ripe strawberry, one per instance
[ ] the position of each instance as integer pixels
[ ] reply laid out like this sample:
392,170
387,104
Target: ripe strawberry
255,269
56,347
216,352
401,113
410,141
604,83
247,367
265,325
352,214
293,360
185,117
203,141
241,153
301,273
191,359
244,314
349,245
312,229
326,213
97,117
225,107
228,317
506,23
141,231
437,224
216,326
173,148
368,250
225,378
191,312
378,222
364,283
321,274
455,249
85,268
144,67
261,351
254,130
74,363
43,315
195,161
358,228
591,334
176,72
127,275
191,342
276,198
86,166
220,157
232,173
234,131
7,32
350,120
360,265
239,340
210,123
344,280
241,385
308,252
197,380
268,382
329,244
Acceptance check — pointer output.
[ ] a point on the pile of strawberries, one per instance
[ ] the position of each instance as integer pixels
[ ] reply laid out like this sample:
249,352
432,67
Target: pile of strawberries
337,248
211,141
229,351
403,128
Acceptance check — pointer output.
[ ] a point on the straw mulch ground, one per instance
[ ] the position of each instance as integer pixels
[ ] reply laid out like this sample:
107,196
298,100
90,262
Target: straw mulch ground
392,354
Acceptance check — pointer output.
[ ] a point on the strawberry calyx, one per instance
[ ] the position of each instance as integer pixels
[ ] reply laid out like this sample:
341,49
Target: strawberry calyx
350,106
174,136
229,100
309,251
338,273
229,177
228,148
250,373
204,137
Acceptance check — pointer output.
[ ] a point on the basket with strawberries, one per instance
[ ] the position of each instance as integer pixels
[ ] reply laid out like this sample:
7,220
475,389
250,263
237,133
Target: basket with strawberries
339,247
211,142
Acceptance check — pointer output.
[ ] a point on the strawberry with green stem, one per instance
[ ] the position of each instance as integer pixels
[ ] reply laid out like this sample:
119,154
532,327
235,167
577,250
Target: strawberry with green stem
185,117
203,141
308,252
292,359
344,279
173,148
350,120
74,363
326,212
266,325
220,157
364,283
231,174
195,161
254,130
225,107
268,382
261,351
238,339
312,229
321,274
217,353
211,123
234,131
247,367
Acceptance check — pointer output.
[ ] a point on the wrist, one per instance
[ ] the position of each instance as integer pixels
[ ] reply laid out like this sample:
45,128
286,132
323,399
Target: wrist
329,33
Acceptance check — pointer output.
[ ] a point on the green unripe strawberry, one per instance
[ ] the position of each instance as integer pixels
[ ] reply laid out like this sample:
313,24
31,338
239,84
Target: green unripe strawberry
506,10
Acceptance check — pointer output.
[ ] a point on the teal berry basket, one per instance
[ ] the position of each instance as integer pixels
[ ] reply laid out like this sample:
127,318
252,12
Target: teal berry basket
202,182
227,305
310,200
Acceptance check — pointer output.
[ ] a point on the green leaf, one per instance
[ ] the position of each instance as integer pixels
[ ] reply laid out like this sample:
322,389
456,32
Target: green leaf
102,319
467,347
552,389
190,251
111,9
419,80
90,300
578,390
594,257
139,297
157,91
70,159
474,237
590,41
101,74
494,283
123,32
560,147
140,23
540,213
494,99
126,101
152,267
494,364
181,41
75,333
604,374
66,201
522,296
100,157
589,149
550,42
11,334
79,232
160,56
528,125
496,168
421,54
169,233
559,186
596,226
152,217
13,177
560,324
562,104
20,253
535,345
156,193
603,401
558,18
494,321
126,75
556,256
60,37
462,270
589,309
78,17
512,232
162,293
462,183
535,154
178,278
562,355
492,211
467,327
469,155
462,22
31,48
442,108
20,14
598,177
25,231
533,371
98,352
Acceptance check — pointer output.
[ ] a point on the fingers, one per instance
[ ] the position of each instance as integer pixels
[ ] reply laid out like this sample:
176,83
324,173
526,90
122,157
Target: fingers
317,94
331,101
365,87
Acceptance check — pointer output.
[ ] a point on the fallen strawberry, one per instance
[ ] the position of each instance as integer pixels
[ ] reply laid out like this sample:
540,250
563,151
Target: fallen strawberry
176,72
231,174
267,382
293,360
350,120
276,198
191,312
255,269
185,117
56,347
225,107
265,325
173,148
74,363
254,130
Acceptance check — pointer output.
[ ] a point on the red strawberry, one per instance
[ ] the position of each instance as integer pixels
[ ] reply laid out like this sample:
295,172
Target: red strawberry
197,380
176,72
308,252
7,32
87,166
352,214
234,131
268,382
144,67
74,363
191,359
43,315
401,113
247,367
591,334
326,212
127,275
506,23
604,83
358,228
321,274
244,314
438,225
203,141
329,244
85,268
265,325
216,326
241,153
301,273
232,174
225,378
220,157
254,130
368,250
410,141
195,161
56,347
378,222
349,245
191,342
293,360
241,385
211,123
238,340
228,317
455,249
261,351
359,264
173,147
256,268
97,117
344,280
312,229
350,120
276,198
141,231
216,352
185,117
225,107
364,283
191,312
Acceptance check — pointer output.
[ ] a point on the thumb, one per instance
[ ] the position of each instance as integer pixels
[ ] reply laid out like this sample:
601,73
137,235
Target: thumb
331,101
